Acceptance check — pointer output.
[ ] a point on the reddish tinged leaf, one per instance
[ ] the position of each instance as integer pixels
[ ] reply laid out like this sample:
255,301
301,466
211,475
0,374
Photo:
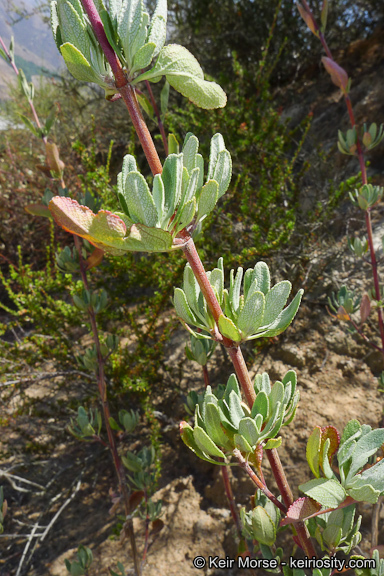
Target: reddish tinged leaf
45,169
334,437
95,258
342,314
300,510
38,210
157,526
338,75
134,500
367,139
308,19
258,457
104,229
53,159
365,308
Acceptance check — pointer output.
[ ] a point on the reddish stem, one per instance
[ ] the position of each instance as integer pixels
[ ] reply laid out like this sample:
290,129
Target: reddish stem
206,376
256,480
128,94
242,373
126,90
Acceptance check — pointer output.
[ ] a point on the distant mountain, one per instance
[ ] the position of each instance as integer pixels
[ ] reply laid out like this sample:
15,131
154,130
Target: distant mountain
34,44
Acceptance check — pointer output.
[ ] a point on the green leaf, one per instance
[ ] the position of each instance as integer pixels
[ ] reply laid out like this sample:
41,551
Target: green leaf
113,424
205,443
234,290
3,55
263,527
261,405
172,177
273,443
247,429
252,314
158,194
217,146
182,308
173,145
187,214
207,199
130,28
29,125
143,57
145,104
140,203
228,329
365,447
365,493
78,66
284,318
275,301
190,148
242,444
187,436
332,535
329,493
72,28
24,86
183,72
38,210
223,171
164,98
262,276
213,427
313,451
110,32
236,411
232,384
145,239
158,29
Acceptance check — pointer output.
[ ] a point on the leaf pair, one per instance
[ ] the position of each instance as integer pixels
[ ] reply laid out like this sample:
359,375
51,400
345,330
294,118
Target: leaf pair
252,308
151,221
136,40
223,422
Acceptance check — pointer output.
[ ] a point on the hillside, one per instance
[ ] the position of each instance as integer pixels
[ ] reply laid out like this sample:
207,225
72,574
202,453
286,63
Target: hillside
34,45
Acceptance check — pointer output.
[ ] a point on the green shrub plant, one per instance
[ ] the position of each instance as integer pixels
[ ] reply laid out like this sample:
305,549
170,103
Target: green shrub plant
238,424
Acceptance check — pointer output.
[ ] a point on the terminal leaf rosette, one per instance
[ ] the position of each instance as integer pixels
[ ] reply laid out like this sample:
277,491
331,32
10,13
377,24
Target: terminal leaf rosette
150,221
223,422
252,309
137,40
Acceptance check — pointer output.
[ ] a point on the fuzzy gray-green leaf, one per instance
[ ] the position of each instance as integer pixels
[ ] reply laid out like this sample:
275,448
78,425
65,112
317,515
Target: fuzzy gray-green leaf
275,301
139,200
251,316
223,171
248,429
72,28
172,176
284,318
217,145
190,148
205,443
261,405
143,57
263,277
207,199
184,73
182,308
